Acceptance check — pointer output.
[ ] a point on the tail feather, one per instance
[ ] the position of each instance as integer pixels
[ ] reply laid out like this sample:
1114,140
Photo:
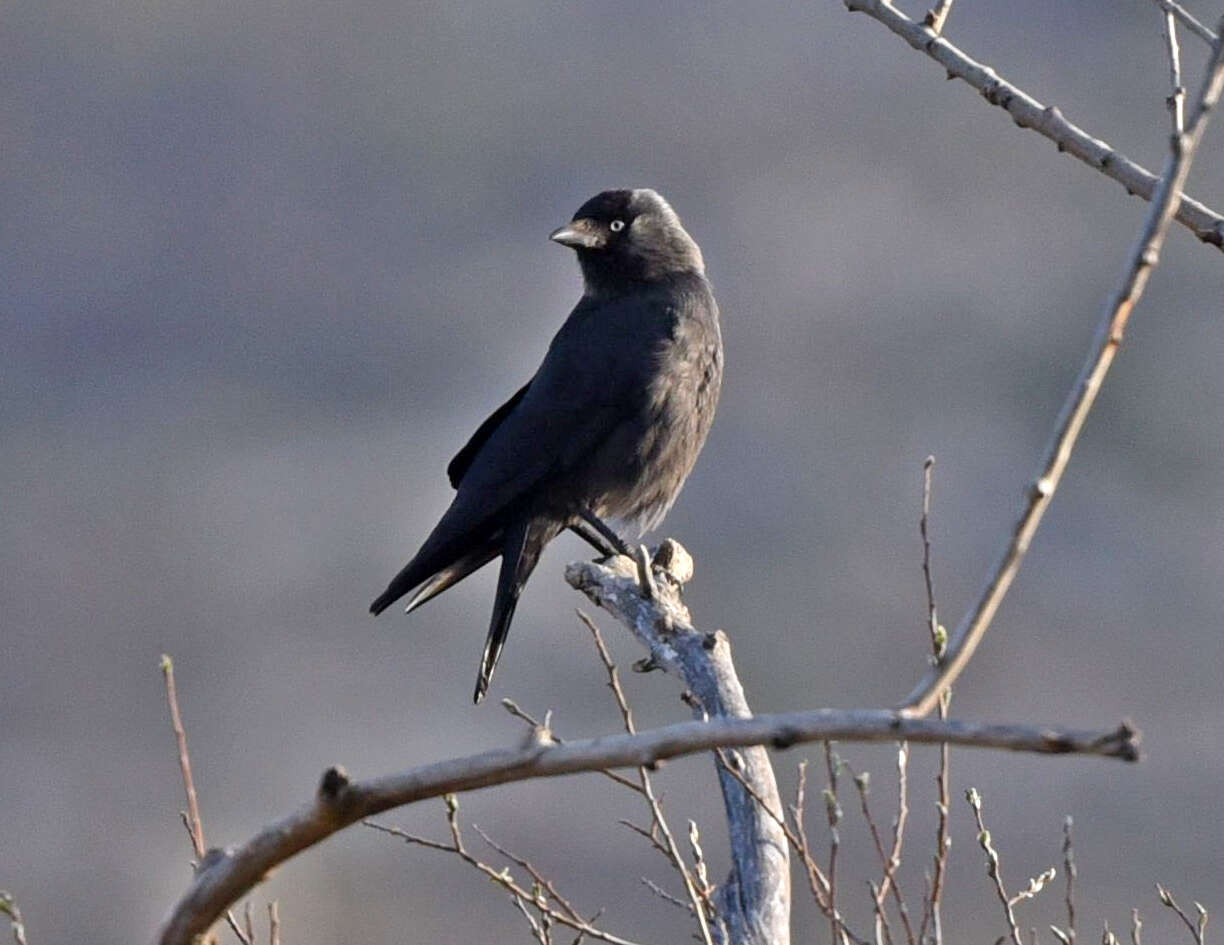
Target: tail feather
450,576
521,547
427,579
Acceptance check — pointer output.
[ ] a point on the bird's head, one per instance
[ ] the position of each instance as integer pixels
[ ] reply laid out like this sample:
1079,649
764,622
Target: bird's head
628,236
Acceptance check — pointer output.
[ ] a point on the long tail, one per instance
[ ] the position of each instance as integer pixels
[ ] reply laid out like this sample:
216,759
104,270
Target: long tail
521,546
430,579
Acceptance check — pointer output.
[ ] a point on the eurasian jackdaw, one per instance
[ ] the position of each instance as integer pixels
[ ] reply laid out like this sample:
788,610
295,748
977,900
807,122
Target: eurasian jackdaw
609,426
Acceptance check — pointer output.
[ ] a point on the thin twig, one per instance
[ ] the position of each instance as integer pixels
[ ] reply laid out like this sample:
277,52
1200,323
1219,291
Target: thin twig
1177,98
992,864
1035,885
699,891
700,898
932,912
882,929
536,933
651,836
614,683
1136,928
831,910
701,903
1027,112
833,815
273,923
501,877
1072,872
191,817
890,860
195,827
818,883
937,16
1142,260
700,869
939,636
1199,929
234,871
1188,20
894,856
531,871
543,731
666,896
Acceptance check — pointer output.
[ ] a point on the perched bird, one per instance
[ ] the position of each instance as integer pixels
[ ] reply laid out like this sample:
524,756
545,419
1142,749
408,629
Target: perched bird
610,425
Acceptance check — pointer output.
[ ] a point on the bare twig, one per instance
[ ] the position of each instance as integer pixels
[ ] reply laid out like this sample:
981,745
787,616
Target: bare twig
536,933
191,817
542,731
1197,929
531,871
650,836
1027,112
939,636
227,874
992,864
614,683
666,896
1177,97
1035,885
233,872
932,912
833,815
883,930
894,856
700,870
1072,872
890,859
817,879
818,883
1136,928
753,903
564,915
703,906
8,907
937,16
1142,260
1187,18
273,923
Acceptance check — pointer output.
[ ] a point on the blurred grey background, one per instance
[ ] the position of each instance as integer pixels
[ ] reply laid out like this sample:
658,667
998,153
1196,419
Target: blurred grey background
266,265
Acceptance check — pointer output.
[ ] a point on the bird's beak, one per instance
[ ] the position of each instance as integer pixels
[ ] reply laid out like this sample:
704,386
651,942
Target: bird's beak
579,234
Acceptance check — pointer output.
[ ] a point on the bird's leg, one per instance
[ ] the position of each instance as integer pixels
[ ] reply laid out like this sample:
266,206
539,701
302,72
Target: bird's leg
594,539
604,538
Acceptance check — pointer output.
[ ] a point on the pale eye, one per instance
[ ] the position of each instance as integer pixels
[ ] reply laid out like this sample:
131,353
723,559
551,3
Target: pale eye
616,226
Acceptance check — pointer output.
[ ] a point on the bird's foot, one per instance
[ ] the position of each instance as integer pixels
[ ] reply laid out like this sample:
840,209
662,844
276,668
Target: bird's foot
599,535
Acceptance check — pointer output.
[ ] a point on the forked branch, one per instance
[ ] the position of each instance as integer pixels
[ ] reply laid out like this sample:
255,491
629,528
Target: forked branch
1027,112
1142,260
